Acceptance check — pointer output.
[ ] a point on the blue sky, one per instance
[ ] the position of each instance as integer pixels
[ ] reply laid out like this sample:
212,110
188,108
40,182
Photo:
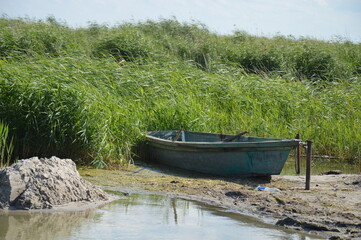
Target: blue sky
321,19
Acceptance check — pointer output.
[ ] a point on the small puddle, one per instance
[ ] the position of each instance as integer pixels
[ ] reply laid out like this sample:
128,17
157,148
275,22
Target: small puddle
141,216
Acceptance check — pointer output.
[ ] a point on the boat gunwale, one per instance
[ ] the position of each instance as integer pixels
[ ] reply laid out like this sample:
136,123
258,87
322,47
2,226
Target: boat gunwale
220,144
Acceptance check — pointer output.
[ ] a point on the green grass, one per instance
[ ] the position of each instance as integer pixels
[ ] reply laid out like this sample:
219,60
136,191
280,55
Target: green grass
91,93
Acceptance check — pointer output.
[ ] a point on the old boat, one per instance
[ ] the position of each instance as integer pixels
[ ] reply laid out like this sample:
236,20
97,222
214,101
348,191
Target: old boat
219,154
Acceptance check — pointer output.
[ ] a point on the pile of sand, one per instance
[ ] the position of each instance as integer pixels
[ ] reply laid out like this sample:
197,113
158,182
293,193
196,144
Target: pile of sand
44,183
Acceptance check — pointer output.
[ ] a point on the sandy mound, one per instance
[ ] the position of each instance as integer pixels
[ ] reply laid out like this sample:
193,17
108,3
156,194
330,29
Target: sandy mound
44,183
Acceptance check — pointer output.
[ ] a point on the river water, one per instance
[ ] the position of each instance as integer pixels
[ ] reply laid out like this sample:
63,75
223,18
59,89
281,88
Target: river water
141,216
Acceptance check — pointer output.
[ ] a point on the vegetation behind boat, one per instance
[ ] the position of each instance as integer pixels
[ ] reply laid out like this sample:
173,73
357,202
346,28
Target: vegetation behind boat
91,93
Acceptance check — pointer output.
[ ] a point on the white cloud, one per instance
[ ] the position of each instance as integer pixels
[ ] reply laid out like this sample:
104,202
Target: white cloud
322,3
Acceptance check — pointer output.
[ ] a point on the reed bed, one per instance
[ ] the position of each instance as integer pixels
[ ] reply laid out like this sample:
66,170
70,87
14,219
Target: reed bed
92,93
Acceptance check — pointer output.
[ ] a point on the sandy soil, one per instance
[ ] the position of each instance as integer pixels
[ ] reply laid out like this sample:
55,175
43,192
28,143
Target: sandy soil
331,209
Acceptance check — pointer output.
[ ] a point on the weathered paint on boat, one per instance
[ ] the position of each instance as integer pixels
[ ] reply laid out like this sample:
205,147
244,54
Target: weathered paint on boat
207,153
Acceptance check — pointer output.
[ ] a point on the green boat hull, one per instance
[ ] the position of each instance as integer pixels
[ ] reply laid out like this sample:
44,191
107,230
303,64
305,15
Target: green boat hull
207,153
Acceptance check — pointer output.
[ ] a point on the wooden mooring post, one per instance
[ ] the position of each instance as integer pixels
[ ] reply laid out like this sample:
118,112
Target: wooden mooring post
308,164
298,156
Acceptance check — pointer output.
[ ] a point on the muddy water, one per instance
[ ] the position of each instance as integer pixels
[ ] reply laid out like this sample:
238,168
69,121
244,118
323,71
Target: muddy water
140,216
321,165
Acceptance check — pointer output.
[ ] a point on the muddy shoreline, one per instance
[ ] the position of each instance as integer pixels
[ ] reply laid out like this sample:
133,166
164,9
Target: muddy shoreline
331,209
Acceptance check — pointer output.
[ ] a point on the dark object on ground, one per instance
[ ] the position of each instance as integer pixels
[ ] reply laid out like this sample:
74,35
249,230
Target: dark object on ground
235,195
332,172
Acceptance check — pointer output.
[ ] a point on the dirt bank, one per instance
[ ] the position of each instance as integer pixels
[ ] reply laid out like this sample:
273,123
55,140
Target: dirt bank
332,208
46,183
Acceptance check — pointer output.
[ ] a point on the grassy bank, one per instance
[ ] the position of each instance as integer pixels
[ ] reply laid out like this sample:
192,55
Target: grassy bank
91,93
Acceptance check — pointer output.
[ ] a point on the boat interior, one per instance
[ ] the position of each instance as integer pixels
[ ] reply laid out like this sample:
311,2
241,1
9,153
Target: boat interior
189,136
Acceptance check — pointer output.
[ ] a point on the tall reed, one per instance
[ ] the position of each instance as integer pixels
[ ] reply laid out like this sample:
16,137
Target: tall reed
6,145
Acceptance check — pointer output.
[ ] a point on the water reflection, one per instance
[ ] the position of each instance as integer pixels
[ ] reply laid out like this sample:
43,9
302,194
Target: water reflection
23,225
174,206
168,208
141,216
